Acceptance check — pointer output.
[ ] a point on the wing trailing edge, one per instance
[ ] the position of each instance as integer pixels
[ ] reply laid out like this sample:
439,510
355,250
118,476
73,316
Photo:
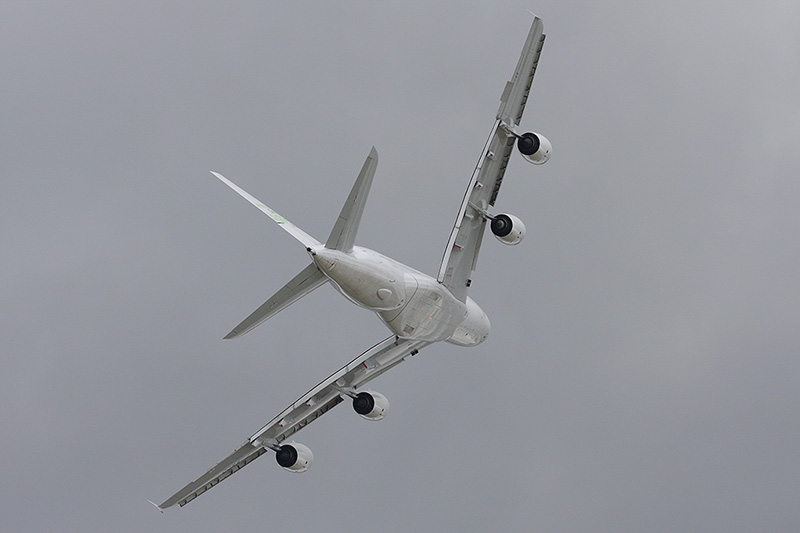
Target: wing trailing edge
461,253
316,402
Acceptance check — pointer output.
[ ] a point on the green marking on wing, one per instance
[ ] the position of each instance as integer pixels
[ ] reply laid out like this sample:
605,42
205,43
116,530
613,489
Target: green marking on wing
274,216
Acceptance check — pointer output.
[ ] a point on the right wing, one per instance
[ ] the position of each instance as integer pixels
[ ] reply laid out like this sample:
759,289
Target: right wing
315,403
461,253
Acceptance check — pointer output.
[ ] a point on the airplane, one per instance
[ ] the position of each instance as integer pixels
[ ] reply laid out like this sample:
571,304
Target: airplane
418,309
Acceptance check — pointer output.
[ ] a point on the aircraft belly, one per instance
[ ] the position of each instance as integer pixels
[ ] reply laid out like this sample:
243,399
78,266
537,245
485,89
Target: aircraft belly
431,314
410,286
475,327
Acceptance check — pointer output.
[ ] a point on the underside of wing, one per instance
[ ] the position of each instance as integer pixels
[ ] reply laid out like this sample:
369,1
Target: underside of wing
328,393
515,95
319,400
242,456
461,253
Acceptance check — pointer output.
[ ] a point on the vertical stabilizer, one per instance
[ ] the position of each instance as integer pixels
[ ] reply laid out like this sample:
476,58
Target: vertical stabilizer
343,235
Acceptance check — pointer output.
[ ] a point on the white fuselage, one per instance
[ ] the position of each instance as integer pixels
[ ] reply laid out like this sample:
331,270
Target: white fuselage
413,305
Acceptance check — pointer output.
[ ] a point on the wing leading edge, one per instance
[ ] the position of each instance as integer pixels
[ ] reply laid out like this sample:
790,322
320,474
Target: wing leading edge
461,253
315,403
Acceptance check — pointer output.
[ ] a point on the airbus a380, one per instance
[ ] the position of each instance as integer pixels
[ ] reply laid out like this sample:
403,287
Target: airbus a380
418,309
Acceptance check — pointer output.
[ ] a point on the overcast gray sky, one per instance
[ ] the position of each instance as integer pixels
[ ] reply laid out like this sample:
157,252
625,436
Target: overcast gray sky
642,372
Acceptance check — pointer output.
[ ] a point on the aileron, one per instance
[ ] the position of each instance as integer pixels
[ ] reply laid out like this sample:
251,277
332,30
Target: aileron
243,455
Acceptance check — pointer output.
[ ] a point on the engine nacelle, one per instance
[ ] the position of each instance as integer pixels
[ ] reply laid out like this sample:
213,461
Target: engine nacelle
508,229
534,147
294,457
371,405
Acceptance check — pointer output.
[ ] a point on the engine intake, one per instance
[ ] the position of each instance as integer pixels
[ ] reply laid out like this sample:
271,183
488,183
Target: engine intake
508,229
371,405
294,457
534,147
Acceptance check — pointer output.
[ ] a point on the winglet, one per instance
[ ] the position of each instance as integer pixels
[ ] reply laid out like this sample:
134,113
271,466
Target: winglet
156,506
291,229
343,235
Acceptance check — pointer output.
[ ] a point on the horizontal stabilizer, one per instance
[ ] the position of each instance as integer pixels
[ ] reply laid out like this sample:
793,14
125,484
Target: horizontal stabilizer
303,283
294,231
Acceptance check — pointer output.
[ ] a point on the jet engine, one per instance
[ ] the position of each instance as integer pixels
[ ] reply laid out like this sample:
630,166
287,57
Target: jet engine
294,457
371,405
508,229
534,147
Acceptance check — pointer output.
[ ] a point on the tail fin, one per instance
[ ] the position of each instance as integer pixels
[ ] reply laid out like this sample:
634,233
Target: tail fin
343,235
342,238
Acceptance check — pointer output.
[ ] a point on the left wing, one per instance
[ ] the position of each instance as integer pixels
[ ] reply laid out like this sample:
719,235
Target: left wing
315,403
461,253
